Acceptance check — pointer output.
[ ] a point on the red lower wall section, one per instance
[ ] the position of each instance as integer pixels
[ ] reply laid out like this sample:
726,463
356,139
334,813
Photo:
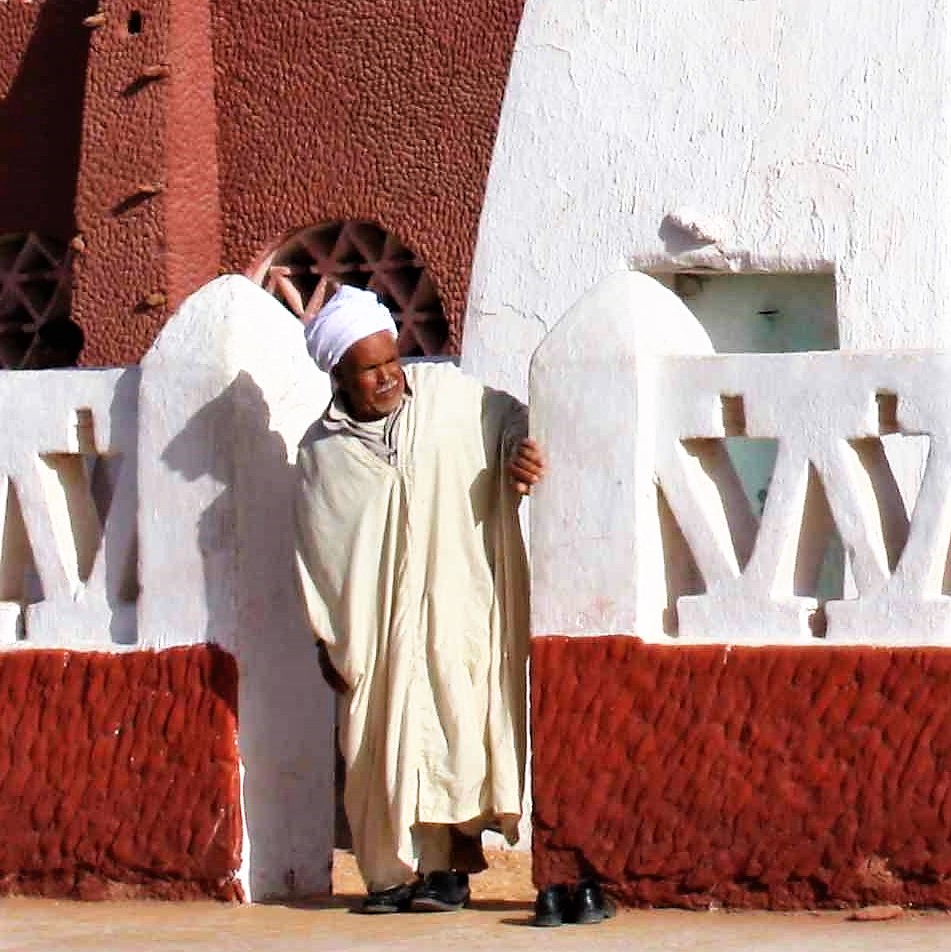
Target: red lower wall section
119,774
771,777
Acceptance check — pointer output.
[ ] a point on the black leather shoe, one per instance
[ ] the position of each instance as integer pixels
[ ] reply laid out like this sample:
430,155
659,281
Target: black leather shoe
552,904
441,891
394,899
589,904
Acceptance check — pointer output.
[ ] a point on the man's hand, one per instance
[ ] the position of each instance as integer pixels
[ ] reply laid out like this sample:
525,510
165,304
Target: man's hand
526,466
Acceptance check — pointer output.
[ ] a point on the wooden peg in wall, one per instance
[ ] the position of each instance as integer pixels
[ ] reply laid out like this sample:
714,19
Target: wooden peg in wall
157,71
149,188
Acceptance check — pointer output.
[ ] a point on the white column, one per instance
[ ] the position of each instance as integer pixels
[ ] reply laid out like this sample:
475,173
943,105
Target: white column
227,392
597,559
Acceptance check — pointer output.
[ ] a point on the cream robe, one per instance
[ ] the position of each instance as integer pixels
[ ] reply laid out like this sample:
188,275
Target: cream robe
414,576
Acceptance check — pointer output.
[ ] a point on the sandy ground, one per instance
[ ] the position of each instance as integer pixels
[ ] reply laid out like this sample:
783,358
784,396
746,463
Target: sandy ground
500,919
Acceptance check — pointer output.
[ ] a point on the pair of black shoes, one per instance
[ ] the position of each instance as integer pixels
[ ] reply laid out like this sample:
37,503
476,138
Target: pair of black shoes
583,905
439,891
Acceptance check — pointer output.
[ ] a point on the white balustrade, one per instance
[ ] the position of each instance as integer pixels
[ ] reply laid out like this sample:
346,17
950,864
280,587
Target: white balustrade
643,525
67,507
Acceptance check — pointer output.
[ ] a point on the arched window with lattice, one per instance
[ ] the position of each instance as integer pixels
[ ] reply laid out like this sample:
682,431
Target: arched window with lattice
35,329
304,268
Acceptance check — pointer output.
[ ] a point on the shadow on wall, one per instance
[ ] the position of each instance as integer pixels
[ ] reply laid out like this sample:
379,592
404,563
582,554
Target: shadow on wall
280,685
202,450
41,123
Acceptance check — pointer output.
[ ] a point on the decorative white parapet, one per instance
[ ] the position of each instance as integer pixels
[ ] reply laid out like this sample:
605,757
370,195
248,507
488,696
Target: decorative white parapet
67,508
643,526
227,392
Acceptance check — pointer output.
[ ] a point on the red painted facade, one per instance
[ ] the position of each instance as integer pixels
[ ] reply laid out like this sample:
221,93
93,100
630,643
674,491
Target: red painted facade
119,774
361,109
210,130
147,192
771,777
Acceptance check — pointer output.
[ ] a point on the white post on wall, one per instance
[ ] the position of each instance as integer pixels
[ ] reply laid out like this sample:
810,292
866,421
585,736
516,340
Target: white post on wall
597,560
227,392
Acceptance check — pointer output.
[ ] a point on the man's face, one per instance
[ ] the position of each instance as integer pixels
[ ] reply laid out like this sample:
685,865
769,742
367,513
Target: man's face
371,378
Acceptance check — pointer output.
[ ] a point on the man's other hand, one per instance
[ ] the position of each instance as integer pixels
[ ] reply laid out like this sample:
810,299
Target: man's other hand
526,466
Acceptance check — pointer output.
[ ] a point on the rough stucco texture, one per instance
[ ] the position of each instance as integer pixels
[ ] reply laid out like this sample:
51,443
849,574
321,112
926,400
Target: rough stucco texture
119,774
146,204
754,777
195,135
361,109
123,148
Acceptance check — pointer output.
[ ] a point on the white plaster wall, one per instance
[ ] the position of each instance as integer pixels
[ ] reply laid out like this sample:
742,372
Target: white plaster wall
227,392
740,135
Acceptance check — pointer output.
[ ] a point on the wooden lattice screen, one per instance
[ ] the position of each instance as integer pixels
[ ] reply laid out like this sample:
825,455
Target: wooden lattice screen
35,329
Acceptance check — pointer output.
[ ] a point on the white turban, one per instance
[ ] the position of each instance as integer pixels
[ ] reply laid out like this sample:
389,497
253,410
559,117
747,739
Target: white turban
350,315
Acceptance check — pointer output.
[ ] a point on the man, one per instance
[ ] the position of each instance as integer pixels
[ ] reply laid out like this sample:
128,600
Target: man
414,578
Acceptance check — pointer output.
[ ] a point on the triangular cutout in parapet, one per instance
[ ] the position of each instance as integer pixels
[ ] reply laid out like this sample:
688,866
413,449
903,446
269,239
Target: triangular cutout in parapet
72,509
19,579
681,574
79,489
738,470
894,499
732,479
819,570
906,456
754,461
102,474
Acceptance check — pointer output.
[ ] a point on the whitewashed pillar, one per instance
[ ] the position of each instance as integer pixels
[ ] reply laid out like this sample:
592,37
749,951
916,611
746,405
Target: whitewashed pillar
597,560
227,392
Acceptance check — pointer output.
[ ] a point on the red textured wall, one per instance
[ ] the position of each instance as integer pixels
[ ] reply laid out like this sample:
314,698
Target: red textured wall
361,109
765,777
119,774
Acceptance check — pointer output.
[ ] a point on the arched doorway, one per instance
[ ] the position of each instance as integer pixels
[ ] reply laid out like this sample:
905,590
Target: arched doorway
304,267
